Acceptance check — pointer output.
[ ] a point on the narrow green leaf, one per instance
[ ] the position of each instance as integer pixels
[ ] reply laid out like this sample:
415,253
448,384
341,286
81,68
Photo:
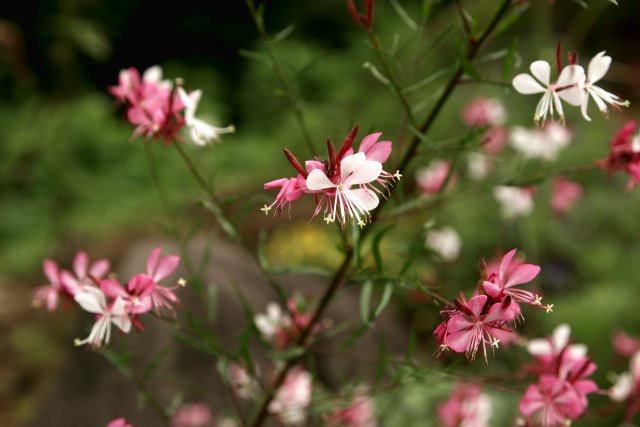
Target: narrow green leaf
212,303
404,16
375,246
256,56
466,65
283,34
509,60
426,10
427,81
355,336
365,300
384,300
290,353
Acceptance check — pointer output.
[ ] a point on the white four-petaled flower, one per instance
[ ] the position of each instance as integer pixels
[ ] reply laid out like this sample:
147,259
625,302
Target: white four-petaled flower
201,132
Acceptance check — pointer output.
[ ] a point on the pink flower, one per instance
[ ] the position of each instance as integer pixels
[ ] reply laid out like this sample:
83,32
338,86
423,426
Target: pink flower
466,407
547,351
478,323
627,388
431,178
625,153
120,422
50,293
484,112
93,300
332,182
361,413
162,297
625,344
274,324
565,194
551,402
495,139
242,384
85,273
192,415
293,397
502,284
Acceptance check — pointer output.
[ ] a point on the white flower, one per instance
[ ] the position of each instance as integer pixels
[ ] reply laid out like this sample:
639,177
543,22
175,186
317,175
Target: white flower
201,132
354,204
269,324
567,88
598,67
627,382
478,166
514,201
445,241
93,300
293,396
543,143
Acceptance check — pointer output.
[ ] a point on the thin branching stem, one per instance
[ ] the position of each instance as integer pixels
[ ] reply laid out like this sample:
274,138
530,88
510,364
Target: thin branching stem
340,273
285,81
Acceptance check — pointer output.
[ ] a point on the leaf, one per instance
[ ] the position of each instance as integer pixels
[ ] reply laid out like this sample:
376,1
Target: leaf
426,10
375,246
466,65
384,300
404,16
256,56
290,353
365,300
222,221
427,81
283,34
375,73
355,336
212,303
509,60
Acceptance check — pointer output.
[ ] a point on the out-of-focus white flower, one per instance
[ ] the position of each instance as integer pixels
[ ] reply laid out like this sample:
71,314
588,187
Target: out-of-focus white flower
201,132
478,166
544,144
445,241
514,201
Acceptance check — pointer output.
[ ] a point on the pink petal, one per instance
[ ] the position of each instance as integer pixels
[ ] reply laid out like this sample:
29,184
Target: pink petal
527,85
476,304
70,282
317,180
166,267
380,152
522,274
50,269
80,264
314,164
152,260
491,289
100,268
113,289
368,142
541,70
277,183
598,67
505,262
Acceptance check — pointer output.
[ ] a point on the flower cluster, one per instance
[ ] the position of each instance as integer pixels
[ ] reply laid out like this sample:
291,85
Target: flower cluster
562,370
331,181
540,143
110,301
467,406
159,110
486,319
293,397
624,153
573,86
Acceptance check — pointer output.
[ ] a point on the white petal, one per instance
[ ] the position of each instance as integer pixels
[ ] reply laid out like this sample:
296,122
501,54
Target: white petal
122,322
91,299
367,172
527,85
561,336
584,107
622,388
541,70
598,67
571,75
317,180
366,199
351,163
152,74
574,95
539,347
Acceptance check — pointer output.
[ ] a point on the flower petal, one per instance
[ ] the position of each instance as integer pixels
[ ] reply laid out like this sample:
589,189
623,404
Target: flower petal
541,70
356,170
571,75
100,268
522,274
598,67
505,262
367,199
317,180
527,85
92,300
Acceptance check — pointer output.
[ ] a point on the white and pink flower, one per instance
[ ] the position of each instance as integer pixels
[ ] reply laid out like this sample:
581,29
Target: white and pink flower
467,406
293,397
93,300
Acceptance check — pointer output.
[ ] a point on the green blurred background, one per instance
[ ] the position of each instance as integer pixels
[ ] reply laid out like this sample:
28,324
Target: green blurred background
72,178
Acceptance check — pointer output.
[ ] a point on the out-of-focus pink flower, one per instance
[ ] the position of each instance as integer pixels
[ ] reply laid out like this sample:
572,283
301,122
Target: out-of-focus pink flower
293,397
541,143
478,323
273,324
494,139
360,413
550,402
503,283
162,297
195,414
93,300
50,293
627,388
624,153
624,344
242,384
484,112
514,201
467,406
290,191
431,178
565,194
560,393
120,422
85,273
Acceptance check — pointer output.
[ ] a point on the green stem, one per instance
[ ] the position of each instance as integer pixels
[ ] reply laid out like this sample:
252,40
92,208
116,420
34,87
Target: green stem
285,82
338,276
